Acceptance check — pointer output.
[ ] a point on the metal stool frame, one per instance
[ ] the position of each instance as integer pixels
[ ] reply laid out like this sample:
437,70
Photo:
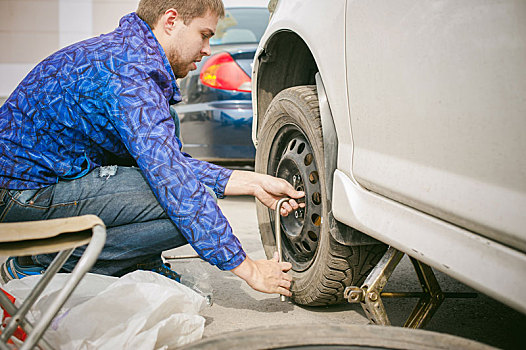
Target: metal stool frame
65,235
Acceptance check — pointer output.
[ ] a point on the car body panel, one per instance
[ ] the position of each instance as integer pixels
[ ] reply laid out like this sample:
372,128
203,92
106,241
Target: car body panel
454,147
376,197
483,264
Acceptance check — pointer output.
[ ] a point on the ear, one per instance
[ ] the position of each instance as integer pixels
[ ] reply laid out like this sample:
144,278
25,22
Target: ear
169,20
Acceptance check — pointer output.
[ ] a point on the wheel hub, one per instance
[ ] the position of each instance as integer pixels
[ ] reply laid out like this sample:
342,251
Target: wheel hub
301,229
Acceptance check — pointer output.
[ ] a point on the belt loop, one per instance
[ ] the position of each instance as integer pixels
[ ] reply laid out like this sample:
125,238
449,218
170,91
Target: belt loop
3,194
3,203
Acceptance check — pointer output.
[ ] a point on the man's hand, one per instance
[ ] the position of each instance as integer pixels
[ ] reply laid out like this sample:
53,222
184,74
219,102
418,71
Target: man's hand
267,189
267,276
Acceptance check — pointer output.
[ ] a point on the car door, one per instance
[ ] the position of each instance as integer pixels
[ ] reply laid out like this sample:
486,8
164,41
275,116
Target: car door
437,99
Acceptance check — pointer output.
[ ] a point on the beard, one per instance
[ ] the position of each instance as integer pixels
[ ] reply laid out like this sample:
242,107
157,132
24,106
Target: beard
180,67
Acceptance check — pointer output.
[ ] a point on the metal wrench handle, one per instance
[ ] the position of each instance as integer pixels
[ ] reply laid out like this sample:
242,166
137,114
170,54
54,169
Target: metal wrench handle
277,231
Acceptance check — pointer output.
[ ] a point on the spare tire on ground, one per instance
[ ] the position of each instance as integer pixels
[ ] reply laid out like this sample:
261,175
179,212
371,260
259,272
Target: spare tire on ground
332,336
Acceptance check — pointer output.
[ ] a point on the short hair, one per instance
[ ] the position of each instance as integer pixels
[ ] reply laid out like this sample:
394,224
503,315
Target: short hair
151,10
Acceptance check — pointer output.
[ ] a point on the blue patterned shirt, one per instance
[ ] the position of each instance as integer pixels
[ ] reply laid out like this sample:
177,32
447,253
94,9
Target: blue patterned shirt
110,95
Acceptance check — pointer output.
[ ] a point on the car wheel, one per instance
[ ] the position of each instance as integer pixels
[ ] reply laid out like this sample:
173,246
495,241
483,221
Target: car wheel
291,147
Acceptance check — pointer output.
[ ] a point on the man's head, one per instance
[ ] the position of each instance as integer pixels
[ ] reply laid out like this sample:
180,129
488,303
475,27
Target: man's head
183,28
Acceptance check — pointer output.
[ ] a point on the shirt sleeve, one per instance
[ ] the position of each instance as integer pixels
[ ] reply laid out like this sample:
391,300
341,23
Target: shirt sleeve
213,176
140,113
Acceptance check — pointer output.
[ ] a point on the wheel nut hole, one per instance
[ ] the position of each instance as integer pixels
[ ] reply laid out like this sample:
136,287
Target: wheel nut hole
313,177
316,198
316,219
312,236
306,246
292,145
301,147
308,159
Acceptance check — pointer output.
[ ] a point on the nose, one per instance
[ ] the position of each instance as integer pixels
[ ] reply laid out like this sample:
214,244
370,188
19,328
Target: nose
206,51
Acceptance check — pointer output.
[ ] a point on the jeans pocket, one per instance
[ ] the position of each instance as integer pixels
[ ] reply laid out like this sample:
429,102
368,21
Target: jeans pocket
40,198
44,197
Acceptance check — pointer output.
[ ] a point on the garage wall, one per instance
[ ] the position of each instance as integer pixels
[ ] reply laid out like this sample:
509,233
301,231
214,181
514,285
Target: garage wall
30,30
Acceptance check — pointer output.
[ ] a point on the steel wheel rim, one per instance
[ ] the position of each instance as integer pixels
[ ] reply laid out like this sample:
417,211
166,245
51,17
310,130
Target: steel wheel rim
292,158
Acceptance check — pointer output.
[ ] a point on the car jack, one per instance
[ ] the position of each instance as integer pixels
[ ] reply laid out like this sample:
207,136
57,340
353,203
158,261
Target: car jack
370,294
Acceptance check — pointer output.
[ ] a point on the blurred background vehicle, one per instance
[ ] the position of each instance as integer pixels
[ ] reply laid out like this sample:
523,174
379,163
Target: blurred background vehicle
216,110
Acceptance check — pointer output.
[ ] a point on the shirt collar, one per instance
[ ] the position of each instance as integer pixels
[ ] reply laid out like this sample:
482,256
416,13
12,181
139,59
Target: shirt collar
133,18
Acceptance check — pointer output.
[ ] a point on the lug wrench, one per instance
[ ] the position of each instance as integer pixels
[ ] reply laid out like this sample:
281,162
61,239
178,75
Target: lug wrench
277,231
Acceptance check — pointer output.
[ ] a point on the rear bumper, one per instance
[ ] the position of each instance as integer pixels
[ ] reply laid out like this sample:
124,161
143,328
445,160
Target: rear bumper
218,130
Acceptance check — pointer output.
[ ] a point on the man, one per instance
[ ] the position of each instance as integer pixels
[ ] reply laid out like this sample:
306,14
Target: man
106,101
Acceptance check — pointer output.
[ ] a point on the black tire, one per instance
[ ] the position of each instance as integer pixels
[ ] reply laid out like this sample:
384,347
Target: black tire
291,144
332,336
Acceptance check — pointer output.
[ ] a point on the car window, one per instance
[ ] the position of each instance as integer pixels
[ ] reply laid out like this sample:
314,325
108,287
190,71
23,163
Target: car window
241,25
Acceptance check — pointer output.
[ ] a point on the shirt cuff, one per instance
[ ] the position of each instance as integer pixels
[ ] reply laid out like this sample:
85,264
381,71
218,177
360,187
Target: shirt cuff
221,181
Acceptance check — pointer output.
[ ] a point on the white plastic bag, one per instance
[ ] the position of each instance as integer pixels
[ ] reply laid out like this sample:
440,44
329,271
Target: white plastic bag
141,310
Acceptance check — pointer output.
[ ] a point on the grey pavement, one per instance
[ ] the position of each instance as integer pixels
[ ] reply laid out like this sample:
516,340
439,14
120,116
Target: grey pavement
237,307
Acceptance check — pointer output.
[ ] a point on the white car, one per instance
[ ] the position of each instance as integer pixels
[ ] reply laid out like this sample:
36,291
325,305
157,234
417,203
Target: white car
405,123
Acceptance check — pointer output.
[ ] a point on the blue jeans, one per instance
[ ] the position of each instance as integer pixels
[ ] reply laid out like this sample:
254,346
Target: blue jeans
138,229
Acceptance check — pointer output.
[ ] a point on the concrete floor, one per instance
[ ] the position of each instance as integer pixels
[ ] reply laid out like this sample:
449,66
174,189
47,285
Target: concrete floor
236,306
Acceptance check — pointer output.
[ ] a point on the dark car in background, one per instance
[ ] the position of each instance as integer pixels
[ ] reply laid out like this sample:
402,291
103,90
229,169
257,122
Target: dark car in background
216,110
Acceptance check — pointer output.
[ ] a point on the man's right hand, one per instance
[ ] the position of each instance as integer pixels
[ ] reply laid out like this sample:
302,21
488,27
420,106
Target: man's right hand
267,276
267,189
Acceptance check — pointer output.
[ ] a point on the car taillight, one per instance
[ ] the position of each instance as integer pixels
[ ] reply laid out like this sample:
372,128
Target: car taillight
222,72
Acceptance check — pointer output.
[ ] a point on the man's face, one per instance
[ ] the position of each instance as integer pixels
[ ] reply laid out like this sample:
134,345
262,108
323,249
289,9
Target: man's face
188,43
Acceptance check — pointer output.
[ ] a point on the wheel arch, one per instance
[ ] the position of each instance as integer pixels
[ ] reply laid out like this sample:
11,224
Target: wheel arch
287,61
284,62
342,233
